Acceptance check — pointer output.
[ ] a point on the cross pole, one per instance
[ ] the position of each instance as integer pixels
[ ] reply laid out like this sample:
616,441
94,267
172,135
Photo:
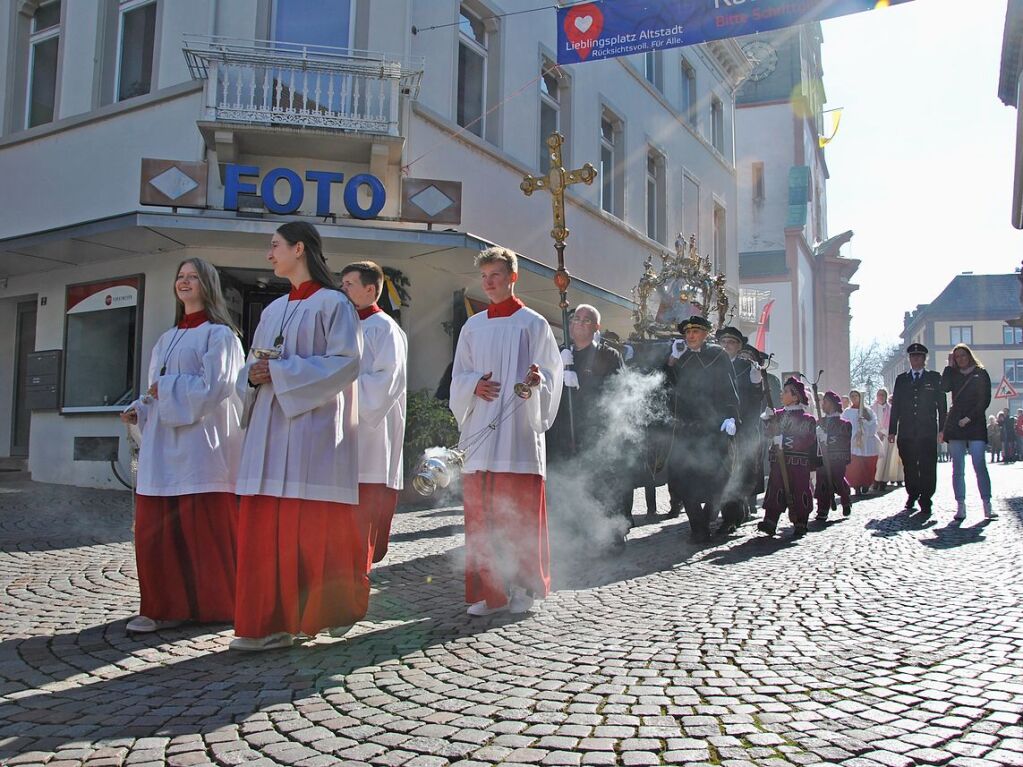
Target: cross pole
557,179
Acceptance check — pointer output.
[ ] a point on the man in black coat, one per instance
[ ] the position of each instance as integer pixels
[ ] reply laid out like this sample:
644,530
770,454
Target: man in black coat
918,415
706,411
742,480
589,366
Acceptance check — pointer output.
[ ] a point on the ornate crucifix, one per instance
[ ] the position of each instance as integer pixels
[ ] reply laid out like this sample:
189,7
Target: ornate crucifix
556,181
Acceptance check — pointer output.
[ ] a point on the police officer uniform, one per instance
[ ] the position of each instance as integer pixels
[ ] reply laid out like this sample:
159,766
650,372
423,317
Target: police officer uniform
918,415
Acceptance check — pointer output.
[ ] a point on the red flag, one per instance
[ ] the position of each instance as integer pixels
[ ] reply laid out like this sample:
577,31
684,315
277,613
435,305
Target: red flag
765,313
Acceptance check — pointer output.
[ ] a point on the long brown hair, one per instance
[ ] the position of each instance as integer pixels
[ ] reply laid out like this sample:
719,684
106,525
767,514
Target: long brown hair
301,231
212,296
968,350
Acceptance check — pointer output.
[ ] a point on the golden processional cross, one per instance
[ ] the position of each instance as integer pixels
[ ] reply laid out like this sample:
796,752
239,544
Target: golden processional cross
556,181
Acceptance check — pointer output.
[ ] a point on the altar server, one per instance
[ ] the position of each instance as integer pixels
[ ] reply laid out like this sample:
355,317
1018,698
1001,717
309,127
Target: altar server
507,553
381,405
301,563
185,509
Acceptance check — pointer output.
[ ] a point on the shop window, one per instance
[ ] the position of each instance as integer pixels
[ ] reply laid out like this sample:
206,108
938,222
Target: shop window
102,344
137,35
43,48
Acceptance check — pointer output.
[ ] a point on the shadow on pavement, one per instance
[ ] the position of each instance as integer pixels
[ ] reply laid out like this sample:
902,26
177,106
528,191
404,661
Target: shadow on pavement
954,535
74,517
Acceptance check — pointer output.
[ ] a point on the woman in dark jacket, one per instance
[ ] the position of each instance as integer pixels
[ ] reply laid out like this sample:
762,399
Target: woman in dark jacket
966,426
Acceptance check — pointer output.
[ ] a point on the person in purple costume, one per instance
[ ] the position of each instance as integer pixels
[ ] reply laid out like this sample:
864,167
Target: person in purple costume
834,434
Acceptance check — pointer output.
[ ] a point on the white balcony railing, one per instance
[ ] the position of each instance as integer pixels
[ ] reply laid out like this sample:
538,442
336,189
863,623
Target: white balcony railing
751,302
274,83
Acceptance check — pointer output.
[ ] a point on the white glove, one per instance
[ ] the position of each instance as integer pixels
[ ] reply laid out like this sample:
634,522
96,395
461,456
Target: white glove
629,352
678,347
822,436
567,357
755,376
571,379
767,415
778,441
728,426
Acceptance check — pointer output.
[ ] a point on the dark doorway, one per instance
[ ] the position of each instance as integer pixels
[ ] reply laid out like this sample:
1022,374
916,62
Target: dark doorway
25,343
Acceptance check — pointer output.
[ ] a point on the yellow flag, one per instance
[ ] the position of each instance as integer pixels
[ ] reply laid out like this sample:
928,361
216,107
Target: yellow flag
468,307
392,293
836,118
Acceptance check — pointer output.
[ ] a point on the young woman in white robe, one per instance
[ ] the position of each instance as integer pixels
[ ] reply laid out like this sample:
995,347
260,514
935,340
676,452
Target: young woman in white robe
186,510
301,565
382,384
889,465
865,446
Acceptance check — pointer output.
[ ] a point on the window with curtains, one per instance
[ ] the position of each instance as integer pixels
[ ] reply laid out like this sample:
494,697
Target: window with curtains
136,45
43,47
472,72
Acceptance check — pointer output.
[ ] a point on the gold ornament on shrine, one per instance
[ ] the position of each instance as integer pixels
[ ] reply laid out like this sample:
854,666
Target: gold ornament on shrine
685,285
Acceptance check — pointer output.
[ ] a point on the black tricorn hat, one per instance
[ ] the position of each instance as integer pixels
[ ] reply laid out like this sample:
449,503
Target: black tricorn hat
730,332
696,321
916,348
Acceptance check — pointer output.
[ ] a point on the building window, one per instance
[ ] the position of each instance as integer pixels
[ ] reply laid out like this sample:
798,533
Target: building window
312,22
961,334
42,64
688,105
1012,336
653,69
757,182
472,72
691,207
612,182
550,113
1013,370
135,53
717,124
655,204
720,238
101,343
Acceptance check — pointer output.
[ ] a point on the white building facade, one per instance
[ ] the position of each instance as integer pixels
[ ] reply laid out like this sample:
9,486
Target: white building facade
264,105
786,256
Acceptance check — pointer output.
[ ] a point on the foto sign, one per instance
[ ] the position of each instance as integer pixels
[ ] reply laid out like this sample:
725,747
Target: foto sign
236,182
604,30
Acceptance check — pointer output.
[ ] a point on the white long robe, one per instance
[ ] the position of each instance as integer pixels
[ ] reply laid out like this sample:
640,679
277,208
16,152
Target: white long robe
191,437
301,438
864,433
382,401
506,346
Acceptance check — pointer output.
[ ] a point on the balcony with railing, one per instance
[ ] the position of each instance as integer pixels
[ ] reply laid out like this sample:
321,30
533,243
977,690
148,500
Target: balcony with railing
261,83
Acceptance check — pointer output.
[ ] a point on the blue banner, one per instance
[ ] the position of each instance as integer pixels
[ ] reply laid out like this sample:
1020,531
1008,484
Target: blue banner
609,28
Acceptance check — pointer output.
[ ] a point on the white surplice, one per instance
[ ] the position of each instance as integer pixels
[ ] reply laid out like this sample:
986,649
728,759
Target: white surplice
506,347
864,432
191,437
301,438
382,401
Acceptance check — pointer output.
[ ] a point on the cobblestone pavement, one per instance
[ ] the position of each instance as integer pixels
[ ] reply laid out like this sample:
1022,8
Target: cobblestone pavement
880,640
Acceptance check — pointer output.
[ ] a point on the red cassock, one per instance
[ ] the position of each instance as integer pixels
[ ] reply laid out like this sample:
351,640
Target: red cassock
304,567
185,556
377,504
505,536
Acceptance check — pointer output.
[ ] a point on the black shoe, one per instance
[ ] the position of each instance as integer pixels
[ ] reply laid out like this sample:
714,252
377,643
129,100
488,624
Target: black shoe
798,531
673,512
925,511
822,515
910,505
725,530
767,528
846,509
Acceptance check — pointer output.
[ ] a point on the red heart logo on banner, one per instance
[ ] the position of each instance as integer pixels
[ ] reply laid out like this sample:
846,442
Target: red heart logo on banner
583,24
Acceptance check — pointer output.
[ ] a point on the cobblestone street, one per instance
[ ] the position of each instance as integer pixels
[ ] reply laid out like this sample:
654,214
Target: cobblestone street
879,640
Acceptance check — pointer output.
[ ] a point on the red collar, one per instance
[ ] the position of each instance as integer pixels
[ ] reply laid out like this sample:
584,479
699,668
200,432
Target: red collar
506,308
193,320
369,310
304,290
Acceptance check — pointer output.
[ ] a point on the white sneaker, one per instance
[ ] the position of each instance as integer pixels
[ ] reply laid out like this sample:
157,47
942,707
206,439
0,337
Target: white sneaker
520,602
480,609
144,625
960,512
340,631
988,511
259,644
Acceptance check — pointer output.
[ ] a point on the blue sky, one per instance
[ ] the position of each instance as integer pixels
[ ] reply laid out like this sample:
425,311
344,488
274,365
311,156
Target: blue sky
921,168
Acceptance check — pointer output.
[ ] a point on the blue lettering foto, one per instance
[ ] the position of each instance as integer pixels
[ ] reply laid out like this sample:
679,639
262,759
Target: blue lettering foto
233,185
377,191
266,189
323,179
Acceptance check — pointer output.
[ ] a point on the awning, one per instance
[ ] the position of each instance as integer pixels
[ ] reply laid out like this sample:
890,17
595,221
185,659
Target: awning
142,233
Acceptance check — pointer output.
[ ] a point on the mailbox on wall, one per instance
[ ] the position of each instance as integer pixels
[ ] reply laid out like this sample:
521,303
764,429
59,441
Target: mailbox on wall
43,373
